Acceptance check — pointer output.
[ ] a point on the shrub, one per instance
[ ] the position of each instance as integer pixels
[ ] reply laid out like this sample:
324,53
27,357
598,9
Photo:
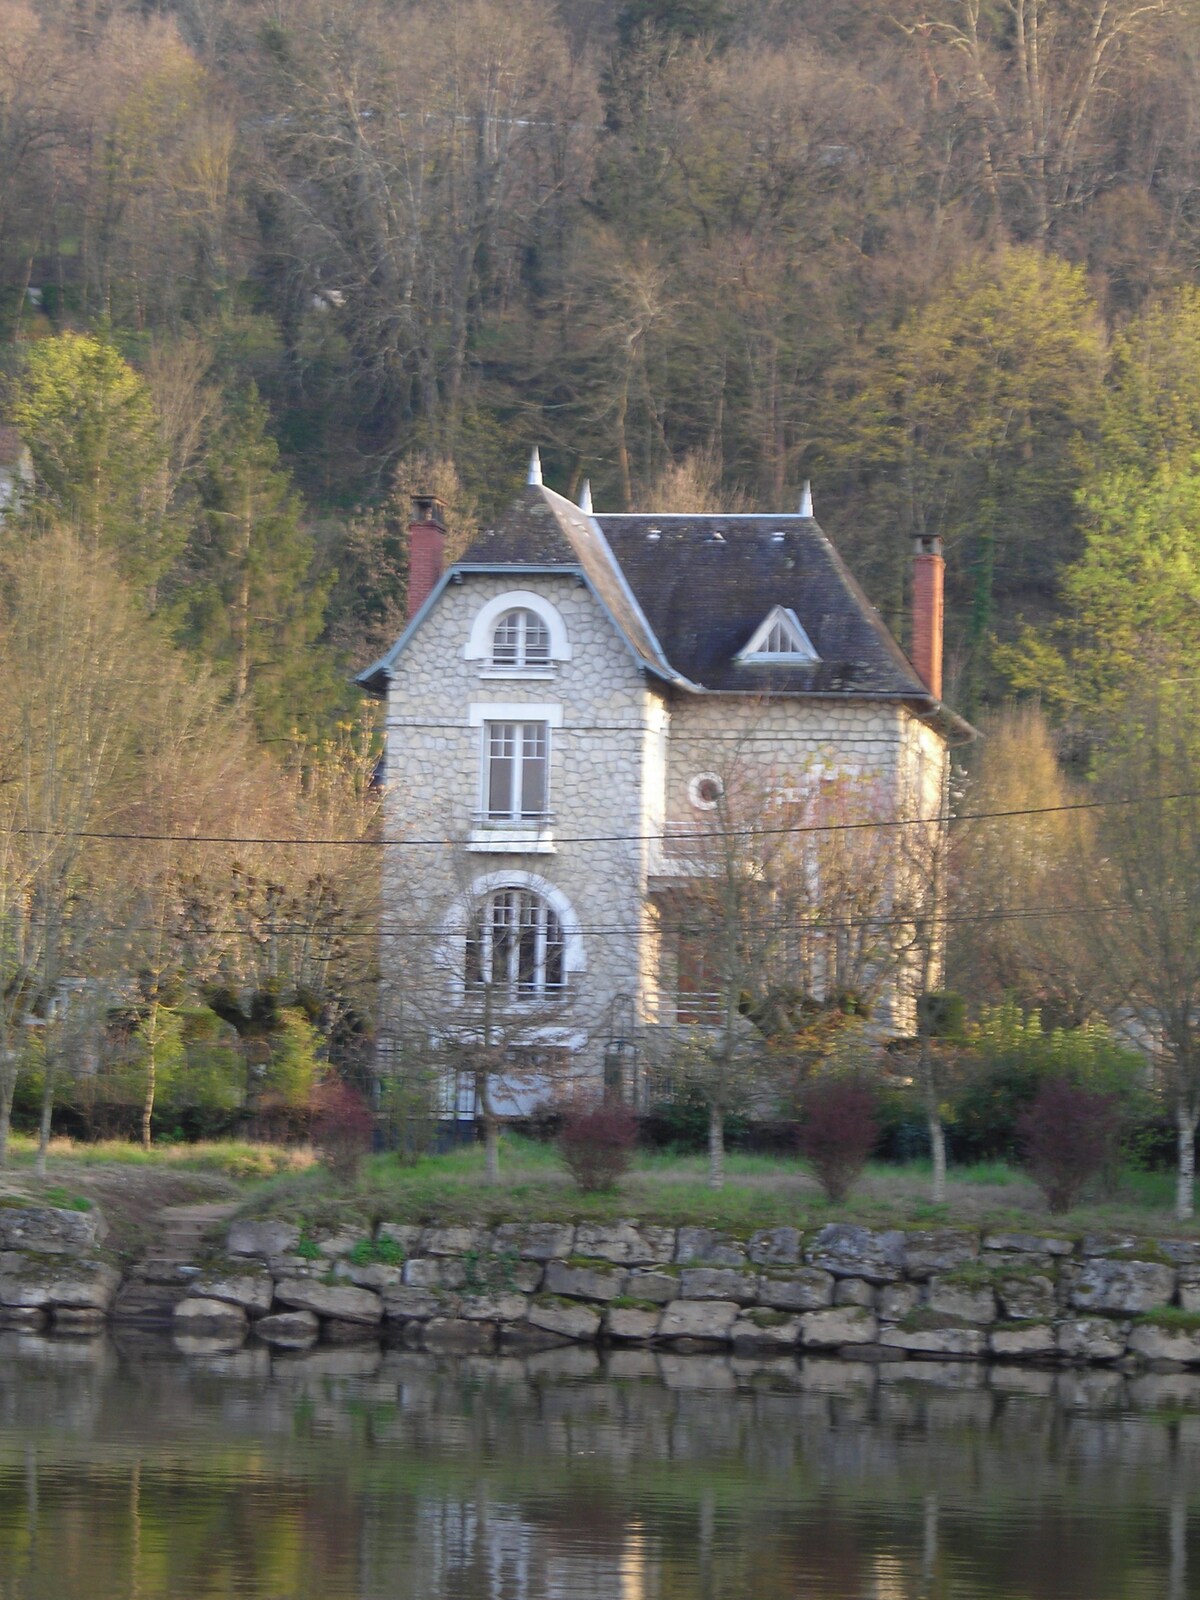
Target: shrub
342,1126
596,1143
839,1131
1067,1137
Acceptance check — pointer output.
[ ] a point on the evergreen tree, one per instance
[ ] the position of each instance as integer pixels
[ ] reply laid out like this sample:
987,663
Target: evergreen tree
252,604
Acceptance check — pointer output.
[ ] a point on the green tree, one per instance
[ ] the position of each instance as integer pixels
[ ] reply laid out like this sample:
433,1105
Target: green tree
970,427
252,604
90,424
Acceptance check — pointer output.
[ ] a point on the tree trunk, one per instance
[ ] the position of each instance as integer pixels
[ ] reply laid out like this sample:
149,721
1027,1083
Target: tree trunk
716,1148
8,1083
1185,1196
39,1165
937,1149
151,1073
491,1130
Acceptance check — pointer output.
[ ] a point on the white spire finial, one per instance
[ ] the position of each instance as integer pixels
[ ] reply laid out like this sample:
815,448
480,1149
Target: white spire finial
535,467
806,505
585,496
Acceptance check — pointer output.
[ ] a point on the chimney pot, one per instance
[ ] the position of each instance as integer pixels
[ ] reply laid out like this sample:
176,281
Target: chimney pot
426,549
928,611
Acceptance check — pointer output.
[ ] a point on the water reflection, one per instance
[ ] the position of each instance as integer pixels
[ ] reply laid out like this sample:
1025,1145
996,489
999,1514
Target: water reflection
133,1472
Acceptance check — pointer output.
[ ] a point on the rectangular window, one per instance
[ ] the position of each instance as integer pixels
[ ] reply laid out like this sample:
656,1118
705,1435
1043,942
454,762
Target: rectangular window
516,775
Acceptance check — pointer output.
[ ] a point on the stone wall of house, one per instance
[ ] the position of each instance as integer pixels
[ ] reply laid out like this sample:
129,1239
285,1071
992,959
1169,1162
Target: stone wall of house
596,854
876,1295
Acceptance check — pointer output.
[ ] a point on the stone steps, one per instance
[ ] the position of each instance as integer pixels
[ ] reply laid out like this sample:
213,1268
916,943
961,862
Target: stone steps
155,1285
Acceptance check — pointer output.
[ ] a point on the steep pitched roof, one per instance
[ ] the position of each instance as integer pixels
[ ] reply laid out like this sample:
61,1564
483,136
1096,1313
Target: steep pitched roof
707,582
688,592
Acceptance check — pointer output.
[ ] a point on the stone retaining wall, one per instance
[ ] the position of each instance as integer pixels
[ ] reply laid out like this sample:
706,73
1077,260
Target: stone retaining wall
882,1295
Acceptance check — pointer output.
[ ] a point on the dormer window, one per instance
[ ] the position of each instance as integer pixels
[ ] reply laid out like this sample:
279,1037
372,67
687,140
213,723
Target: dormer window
518,634
780,638
521,639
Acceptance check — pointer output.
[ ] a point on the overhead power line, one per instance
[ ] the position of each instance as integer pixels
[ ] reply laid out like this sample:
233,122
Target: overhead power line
751,830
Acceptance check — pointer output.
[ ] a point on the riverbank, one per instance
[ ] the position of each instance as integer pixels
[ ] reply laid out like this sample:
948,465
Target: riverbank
874,1295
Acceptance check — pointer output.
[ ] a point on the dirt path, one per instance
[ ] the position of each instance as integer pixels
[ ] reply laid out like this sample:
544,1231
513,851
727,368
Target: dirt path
143,1206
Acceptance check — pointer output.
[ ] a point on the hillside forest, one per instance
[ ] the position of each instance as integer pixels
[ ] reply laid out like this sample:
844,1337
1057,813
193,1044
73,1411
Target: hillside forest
267,268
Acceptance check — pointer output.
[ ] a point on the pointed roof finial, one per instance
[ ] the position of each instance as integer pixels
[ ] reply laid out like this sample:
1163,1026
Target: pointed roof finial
535,467
585,496
806,505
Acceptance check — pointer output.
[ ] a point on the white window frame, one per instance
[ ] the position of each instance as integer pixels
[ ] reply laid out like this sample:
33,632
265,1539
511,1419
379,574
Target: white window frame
755,652
518,940
451,952
530,746
481,639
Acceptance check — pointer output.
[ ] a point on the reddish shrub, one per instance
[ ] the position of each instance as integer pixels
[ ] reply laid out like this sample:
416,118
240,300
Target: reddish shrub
342,1126
596,1142
838,1132
1067,1137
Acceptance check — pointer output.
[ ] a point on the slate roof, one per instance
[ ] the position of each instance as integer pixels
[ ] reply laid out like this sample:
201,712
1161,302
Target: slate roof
688,592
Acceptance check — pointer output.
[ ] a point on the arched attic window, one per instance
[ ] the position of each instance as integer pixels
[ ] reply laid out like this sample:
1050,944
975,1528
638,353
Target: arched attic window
521,639
518,634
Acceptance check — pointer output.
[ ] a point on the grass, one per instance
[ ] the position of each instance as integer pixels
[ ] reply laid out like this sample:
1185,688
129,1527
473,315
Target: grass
237,1159
670,1188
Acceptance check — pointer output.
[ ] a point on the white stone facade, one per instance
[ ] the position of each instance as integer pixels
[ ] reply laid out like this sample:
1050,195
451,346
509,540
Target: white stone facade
624,751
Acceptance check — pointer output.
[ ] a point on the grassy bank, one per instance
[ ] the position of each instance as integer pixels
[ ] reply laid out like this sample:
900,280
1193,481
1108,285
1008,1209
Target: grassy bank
760,1191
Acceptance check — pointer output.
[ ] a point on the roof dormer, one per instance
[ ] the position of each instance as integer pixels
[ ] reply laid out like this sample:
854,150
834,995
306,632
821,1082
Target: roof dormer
779,637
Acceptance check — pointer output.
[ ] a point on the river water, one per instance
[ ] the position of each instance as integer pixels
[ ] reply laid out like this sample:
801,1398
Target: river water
134,1471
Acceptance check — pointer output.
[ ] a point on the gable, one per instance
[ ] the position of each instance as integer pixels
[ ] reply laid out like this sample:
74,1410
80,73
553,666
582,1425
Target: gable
779,637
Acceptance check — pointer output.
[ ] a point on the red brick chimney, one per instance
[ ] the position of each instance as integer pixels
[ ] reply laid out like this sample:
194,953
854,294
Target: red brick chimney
928,611
426,549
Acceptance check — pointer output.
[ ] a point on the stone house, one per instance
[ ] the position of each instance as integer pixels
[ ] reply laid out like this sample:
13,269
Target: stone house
567,701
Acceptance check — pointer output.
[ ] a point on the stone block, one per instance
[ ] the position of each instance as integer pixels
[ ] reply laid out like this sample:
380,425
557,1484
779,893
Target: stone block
51,1230
333,1246
806,1289
428,1272
625,1243
199,1314
1025,1299
340,1301
405,1234
535,1241
837,1326
583,1283
1029,1243
936,1341
1155,1343
1033,1340
1189,1289
896,1300
455,1336
706,1247
1122,1287
290,1330
436,1241
647,1284
262,1238
22,1317
718,1283
698,1319
957,1300
774,1247
524,1276
84,1320
570,1321
853,1292
628,1324
752,1333
375,1275
1092,1339
65,1282
936,1250
404,1304
851,1252
1183,1252
502,1307
251,1289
